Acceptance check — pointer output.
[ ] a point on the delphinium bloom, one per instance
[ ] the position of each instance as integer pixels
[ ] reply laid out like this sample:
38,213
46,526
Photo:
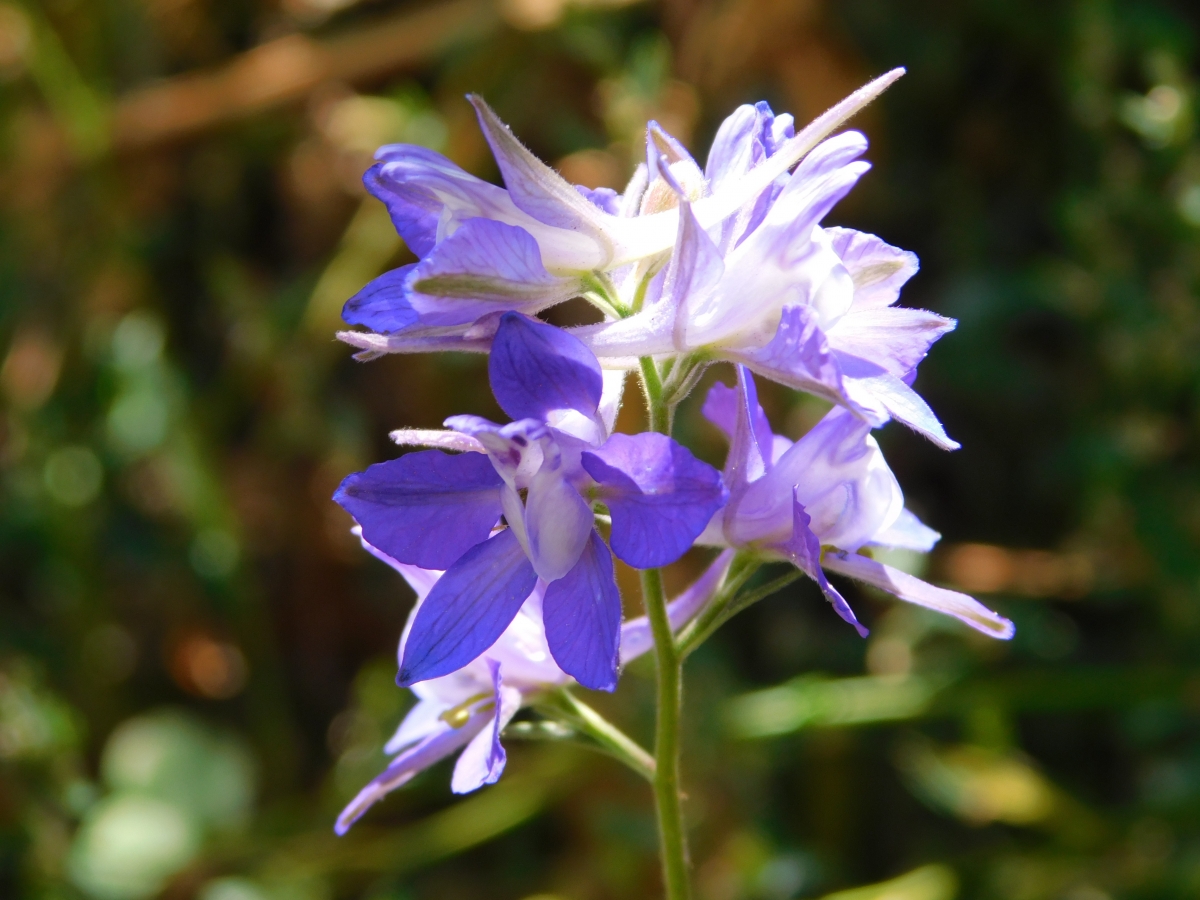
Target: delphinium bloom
820,500
806,306
543,472
468,709
539,240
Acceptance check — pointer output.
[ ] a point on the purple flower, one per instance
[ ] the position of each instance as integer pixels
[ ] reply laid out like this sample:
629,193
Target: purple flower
539,240
769,288
819,500
543,472
470,707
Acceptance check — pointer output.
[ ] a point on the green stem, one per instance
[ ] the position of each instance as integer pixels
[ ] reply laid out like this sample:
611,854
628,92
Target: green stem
718,615
652,386
671,836
698,630
610,738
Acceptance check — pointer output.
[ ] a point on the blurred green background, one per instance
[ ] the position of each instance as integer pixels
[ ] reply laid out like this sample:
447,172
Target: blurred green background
196,659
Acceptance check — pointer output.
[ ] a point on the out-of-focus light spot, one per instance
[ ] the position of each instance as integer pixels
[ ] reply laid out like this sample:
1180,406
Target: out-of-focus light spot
16,40
887,655
214,553
1157,116
137,340
32,365
231,889
110,653
935,882
1189,204
73,476
129,845
138,420
207,667
532,15
1163,103
591,168
988,569
978,785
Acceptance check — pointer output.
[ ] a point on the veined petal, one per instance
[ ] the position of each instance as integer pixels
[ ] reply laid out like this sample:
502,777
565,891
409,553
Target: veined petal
435,747
870,387
907,533
537,369
383,304
736,148
468,609
804,550
582,613
659,494
474,338
893,337
482,762
636,636
420,580
693,279
483,266
877,268
799,357
425,508
722,406
750,445
534,187
914,590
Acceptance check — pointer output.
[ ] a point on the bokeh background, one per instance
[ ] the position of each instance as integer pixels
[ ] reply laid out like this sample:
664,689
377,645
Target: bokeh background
196,660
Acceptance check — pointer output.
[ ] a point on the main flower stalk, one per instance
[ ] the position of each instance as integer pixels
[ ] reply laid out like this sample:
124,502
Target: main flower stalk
672,838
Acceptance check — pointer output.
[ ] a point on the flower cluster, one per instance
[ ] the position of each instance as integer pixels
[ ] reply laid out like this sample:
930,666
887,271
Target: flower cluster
507,532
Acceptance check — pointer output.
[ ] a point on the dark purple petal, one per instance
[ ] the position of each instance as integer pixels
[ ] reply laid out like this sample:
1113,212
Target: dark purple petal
660,496
483,267
468,609
383,304
425,508
804,550
582,614
536,368
414,211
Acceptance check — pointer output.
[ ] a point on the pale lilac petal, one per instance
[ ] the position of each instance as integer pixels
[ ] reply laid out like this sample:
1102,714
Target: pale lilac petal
799,357
383,305
536,369
914,590
894,338
404,767
750,445
878,269
482,762
659,494
692,281
420,580
421,721
433,437
484,266
515,448
558,522
534,187
866,384
582,613
468,609
413,208
603,198
425,508
636,636
473,338
736,148
907,533
840,476
804,550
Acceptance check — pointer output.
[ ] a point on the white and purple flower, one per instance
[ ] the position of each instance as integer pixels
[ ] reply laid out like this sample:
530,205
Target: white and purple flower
820,500
468,709
543,472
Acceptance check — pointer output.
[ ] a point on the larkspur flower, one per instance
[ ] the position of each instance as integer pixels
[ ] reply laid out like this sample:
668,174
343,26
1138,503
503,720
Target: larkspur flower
439,511
539,240
469,708
820,500
806,306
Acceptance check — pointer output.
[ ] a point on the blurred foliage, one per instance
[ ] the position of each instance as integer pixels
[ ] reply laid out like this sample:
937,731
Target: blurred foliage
195,657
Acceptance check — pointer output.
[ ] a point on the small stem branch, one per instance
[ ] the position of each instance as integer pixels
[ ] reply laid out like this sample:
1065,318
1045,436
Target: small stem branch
660,420
699,629
610,738
672,839
720,613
